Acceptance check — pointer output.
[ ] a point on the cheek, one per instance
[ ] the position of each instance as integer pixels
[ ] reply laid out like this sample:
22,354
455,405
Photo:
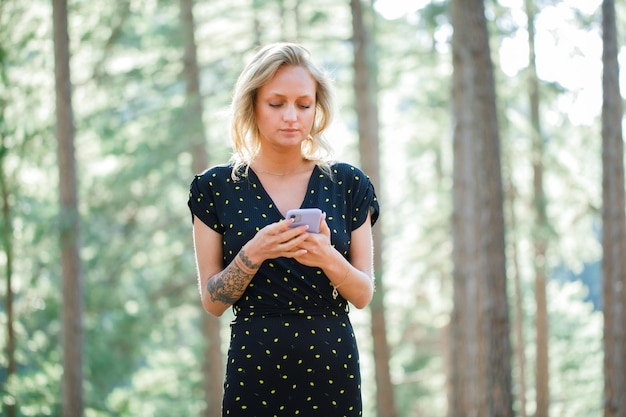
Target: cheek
262,118
310,117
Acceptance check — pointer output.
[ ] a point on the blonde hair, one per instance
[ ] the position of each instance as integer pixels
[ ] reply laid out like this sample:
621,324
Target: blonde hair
261,69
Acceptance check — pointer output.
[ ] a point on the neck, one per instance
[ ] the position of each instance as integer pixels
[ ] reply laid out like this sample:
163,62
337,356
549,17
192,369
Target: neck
280,168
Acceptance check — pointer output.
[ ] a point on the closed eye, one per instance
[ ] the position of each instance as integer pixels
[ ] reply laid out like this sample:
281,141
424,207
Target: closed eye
278,105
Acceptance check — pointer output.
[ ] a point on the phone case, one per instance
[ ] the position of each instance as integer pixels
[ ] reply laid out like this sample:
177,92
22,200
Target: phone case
309,216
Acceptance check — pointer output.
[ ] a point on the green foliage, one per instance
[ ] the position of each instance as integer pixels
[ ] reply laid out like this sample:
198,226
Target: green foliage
576,352
143,345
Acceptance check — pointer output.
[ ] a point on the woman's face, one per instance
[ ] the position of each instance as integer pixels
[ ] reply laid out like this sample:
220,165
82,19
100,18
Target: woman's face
285,108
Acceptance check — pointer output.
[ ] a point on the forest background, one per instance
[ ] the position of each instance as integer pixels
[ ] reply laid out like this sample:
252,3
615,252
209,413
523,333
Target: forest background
144,345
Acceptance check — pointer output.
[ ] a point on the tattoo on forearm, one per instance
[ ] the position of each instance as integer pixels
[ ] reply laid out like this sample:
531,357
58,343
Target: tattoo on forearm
247,262
228,285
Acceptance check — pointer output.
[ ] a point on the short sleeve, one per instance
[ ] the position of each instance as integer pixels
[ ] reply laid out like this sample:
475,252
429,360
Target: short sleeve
362,195
365,201
201,200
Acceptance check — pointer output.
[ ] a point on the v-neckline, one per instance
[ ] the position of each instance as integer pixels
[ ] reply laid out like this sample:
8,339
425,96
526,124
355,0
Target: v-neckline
271,200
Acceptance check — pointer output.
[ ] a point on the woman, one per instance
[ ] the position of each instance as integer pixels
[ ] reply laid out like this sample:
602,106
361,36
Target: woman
292,347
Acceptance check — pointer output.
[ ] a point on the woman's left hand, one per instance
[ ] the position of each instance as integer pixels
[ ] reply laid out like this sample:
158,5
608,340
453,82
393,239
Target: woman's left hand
354,279
317,246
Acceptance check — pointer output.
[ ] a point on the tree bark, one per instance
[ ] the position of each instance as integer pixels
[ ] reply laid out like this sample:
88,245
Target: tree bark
539,237
72,309
613,222
7,245
480,345
365,90
193,126
518,325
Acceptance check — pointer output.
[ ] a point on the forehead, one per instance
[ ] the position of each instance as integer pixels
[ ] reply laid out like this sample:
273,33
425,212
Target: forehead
290,81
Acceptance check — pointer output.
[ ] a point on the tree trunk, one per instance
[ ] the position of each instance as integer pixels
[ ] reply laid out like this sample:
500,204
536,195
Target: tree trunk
539,238
481,350
7,245
193,126
518,325
72,396
365,92
297,20
257,24
613,222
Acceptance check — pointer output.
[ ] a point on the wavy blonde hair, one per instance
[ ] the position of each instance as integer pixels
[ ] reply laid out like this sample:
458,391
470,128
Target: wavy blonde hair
244,130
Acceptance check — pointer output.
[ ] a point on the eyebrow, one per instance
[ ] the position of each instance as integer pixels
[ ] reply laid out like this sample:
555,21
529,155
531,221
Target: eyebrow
275,94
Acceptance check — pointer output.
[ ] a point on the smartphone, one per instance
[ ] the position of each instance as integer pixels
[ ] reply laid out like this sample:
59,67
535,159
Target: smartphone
309,216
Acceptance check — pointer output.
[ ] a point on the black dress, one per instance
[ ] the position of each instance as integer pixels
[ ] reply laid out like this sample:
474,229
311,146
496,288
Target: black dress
292,347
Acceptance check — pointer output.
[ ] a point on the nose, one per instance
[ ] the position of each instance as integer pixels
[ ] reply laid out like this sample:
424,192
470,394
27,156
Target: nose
290,114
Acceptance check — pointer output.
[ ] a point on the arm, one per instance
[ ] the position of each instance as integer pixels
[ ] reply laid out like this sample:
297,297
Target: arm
226,284
354,279
221,287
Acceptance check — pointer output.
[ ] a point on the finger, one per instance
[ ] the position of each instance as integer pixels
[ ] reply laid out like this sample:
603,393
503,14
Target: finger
280,232
281,226
323,221
295,255
294,247
324,229
289,231
287,226
289,240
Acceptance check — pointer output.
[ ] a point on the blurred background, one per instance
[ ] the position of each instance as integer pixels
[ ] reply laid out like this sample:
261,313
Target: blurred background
147,342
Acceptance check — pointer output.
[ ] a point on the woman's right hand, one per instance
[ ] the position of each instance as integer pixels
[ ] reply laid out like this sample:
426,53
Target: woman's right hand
274,241
221,287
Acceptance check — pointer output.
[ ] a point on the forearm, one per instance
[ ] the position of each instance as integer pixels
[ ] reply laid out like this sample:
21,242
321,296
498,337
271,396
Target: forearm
227,286
355,284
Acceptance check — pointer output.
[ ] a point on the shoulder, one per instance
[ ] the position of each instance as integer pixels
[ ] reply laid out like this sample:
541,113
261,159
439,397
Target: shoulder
344,171
218,174
217,171
215,178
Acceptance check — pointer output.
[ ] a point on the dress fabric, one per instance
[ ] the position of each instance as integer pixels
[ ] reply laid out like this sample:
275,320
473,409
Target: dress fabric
292,347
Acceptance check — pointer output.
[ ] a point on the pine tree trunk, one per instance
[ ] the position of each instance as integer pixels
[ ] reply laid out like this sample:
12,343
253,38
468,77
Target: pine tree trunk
72,309
193,125
518,325
365,90
540,243
613,222
480,346
7,245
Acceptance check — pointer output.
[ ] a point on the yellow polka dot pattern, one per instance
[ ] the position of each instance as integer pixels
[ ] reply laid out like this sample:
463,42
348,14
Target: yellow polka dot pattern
310,369
292,347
